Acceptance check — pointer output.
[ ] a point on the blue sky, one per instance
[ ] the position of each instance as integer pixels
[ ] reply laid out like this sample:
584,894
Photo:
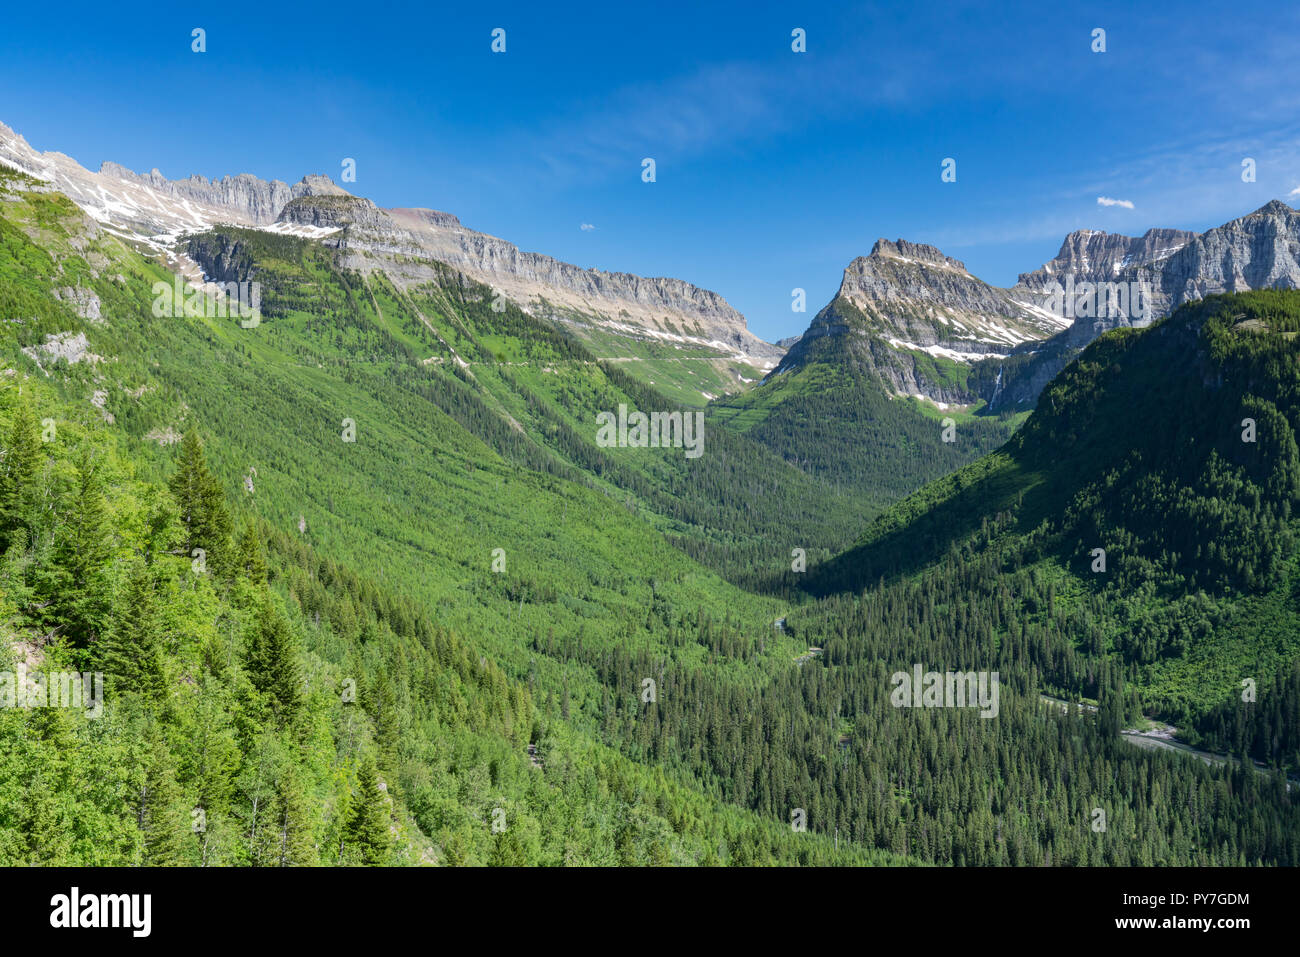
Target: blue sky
774,169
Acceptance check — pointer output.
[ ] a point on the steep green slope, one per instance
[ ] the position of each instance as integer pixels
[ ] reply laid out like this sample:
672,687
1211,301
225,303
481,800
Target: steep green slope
526,390
833,420
271,707
689,375
98,573
1142,448
472,430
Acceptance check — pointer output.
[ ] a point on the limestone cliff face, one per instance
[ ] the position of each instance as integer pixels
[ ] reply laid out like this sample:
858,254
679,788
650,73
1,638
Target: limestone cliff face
245,198
160,212
1257,251
151,206
1090,255
906,305
665,309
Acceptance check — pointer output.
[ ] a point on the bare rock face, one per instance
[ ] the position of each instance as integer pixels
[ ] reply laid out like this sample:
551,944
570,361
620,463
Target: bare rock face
1257,251
430,217
151,206
1090,255
245,197
907,305
84,302
935,298
664,309
340,211
68,347
401,241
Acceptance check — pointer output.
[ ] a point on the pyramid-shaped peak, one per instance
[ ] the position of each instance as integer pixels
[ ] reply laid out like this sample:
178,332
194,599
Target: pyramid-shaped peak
913,252
1274,207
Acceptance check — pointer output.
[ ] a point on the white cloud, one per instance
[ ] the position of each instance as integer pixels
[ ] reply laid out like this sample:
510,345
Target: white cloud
1107,201
1294,192
587,227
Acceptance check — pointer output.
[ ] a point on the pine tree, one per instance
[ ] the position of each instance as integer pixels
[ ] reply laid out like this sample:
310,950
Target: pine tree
507,851
387,726
366,829
249,559
293,823
204,516
160,816
132,653
273,659
75,582
19,476
45,820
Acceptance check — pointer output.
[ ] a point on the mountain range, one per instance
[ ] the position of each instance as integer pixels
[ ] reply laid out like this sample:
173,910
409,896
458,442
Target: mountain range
906,315
623,316
919,323
367,588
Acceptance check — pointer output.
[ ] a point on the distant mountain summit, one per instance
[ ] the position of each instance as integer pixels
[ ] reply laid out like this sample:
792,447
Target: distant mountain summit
611,306
151,208
1092,255
1258,251
906,305
661,309
245,196
921,324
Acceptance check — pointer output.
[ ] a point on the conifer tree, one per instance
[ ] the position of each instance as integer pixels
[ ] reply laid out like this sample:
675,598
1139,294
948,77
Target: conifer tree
132,652
75,581
387,726
273,659
366,828
294,847
249,557
204,516
506,851
19,475
49,756
161,816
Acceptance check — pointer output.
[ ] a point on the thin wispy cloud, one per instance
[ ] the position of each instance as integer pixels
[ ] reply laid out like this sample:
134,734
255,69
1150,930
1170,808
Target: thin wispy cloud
1193,183
721,107
587,227
1107,201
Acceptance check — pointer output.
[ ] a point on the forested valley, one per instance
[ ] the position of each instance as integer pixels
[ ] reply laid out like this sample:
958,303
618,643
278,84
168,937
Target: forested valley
457,631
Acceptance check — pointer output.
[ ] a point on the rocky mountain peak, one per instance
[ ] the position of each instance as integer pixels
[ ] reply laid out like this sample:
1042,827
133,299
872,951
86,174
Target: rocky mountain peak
332,211
1260,250
431,217
931,299
243,198
907,307
318,184
1095,256
913,252
403,241
1274,207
